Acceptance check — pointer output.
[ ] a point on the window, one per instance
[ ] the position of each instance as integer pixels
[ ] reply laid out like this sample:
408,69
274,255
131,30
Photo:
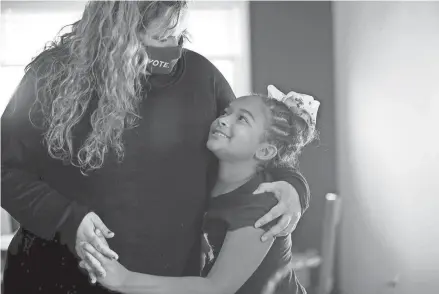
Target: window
219,31
25,29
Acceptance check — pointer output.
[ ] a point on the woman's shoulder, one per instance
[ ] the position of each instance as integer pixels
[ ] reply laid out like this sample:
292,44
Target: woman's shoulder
52,56
195,57
198,63
24,96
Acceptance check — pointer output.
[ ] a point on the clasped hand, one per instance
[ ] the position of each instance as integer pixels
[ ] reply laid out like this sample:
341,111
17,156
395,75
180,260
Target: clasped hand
94,232
110,273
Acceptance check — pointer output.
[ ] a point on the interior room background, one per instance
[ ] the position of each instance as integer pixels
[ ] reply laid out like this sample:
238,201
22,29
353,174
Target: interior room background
374,67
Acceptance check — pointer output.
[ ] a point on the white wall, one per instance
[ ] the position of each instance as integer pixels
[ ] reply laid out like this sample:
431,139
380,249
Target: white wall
387,95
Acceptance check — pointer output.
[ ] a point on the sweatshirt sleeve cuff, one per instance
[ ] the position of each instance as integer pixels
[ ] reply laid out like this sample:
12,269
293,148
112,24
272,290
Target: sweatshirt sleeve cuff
68,229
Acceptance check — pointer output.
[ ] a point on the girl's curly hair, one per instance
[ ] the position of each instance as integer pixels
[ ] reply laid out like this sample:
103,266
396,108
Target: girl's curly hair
288,131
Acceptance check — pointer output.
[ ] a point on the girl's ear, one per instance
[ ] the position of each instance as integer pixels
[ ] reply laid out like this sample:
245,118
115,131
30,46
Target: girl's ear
266,152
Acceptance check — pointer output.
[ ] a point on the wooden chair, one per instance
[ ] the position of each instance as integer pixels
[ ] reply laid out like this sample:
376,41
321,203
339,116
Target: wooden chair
8,229
330,224
304,262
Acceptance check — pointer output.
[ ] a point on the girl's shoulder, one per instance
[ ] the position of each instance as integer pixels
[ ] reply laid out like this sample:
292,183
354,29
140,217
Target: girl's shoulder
243,195
241,208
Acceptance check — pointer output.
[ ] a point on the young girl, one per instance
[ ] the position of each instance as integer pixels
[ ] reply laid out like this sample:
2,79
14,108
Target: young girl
254,132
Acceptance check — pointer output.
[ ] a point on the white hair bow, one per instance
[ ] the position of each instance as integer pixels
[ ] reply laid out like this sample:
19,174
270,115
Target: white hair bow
293,99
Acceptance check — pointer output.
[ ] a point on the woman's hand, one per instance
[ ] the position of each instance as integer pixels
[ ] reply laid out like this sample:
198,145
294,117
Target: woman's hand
114,275
94,232
288,207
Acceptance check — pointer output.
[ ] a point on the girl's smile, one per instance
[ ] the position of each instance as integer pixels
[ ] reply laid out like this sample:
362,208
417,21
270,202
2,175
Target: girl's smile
218,133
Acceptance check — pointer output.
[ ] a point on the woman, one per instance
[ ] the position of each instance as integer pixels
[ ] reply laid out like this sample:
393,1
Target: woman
102,129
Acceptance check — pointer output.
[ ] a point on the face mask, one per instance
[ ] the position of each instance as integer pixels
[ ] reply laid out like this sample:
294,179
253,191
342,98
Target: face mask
163,59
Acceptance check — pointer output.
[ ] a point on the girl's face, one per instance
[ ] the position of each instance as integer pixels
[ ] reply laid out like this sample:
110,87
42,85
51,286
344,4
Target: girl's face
237,134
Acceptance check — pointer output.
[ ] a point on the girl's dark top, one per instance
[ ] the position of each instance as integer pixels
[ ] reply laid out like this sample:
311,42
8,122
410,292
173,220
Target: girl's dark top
154,200
239,209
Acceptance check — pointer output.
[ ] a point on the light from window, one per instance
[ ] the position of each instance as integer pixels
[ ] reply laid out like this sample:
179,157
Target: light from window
214,32
10,77
227,68
21,41
218,32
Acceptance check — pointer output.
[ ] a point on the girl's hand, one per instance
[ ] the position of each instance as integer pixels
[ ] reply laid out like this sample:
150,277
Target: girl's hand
114,275
288,207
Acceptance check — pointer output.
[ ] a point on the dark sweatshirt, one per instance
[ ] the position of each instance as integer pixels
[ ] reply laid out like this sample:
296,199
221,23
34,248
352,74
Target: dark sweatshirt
153,200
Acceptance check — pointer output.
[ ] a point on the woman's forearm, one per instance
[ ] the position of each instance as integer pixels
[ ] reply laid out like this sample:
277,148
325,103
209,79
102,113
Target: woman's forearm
137,283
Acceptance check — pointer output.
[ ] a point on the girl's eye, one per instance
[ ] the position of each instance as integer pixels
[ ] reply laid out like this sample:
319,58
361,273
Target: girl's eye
224,112
243,118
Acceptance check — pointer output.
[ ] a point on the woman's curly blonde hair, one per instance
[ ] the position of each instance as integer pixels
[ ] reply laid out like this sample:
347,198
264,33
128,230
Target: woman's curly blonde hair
102,57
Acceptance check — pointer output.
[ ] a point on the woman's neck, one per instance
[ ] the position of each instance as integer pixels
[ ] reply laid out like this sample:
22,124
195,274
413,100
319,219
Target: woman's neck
233,175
